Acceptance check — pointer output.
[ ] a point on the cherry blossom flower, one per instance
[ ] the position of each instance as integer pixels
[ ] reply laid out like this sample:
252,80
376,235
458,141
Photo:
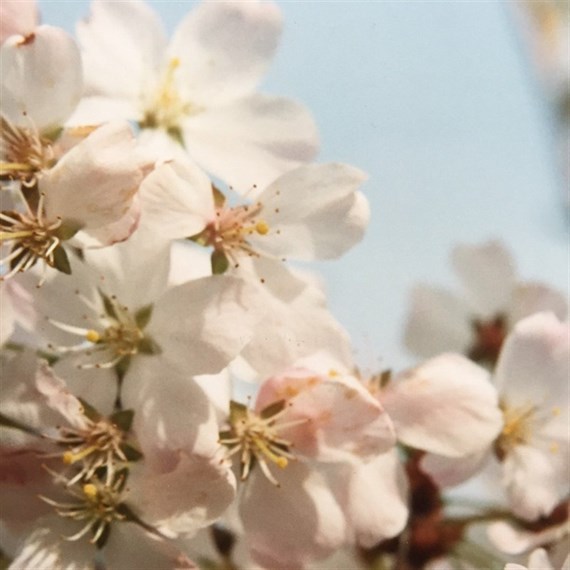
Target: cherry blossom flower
477,323
91,509
532,447
314,454
199,90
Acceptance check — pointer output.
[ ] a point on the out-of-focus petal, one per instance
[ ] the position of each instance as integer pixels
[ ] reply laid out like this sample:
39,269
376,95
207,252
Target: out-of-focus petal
451,471
123,45
530,298
224,49
438,322
488,276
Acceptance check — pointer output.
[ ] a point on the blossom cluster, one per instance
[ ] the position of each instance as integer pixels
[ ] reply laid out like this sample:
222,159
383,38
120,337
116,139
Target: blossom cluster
152,201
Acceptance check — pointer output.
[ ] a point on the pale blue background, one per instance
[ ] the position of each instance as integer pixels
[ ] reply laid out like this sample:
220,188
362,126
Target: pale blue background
438,103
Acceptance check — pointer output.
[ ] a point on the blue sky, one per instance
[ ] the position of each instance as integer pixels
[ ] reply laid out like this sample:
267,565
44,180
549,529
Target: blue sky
437,102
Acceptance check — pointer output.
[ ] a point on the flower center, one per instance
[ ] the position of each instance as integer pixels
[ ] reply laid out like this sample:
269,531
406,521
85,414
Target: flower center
256,438
24,152
164,108
32,238
229,231
117,335
517,428
95,504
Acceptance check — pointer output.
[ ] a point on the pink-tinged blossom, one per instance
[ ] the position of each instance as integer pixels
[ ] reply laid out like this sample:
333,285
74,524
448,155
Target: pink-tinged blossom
532,447
199,89
476,322
41,85
446,405
314,453
175,486
18,17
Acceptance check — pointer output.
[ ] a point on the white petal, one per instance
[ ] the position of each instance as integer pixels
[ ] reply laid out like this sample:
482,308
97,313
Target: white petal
516,540
451,471
123,46
376,496
533,365
214,319
172,412
446,406
41,78
488,276
177,200
294,321
224,49
7,315
188,493
535,479
538,560
45,548
530,298
97,109
123,268
298,522
58,397
97,387
313,212
438,321
17,17
252,141
129,546
94,183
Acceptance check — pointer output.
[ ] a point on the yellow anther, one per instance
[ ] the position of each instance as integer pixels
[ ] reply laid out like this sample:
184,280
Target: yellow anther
282,462
556,411
554,448
174,62
262,228
92,336
68,458
89,490
333,373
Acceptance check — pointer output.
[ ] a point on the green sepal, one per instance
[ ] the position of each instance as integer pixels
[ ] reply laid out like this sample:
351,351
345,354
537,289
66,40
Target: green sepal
67,230
89,411
61,261
109,305
200,239
219,262
123,419
122,367
219,197
207,564
272,409
176,134
148,346
238,412
131,453
52,134
142,316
